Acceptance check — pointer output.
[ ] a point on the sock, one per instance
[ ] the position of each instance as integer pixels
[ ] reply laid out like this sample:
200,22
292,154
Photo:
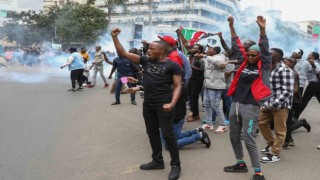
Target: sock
241,162
257,171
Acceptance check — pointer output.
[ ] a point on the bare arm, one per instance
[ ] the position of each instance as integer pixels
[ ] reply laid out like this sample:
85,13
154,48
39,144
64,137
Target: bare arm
112,71
177,79
106,59
120,49
69,61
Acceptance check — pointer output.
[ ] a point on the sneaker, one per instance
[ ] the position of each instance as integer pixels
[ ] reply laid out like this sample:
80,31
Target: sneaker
106,85
226,122
269,158
152,165
199,129
286,145
291,143
91,86
205,139
318,147
79,88
191,118
72,89
236,168
305,124
133,103
221,129
266,150
174,173
115,103
84,85
208,127
257,177
204,121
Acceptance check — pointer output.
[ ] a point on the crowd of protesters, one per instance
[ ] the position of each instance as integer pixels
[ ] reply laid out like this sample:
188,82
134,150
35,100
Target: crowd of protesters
261,90
260,87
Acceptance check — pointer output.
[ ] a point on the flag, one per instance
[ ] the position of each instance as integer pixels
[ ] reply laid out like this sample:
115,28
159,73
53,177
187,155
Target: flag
193,35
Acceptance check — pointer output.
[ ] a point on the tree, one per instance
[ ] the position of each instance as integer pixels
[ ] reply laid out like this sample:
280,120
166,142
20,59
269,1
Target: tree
80,23
73,23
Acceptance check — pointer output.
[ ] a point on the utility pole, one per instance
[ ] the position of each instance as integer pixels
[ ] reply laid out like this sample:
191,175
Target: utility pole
150,2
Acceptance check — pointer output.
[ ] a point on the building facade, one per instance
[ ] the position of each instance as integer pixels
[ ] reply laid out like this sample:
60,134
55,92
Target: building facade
47,4
171,14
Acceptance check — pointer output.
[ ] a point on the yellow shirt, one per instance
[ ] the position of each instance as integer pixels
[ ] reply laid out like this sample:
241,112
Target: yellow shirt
85,56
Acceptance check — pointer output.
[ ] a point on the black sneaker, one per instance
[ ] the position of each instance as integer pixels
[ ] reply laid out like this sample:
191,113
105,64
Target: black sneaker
79,88
152,165
286,145
236,168
266,150
199,129
205,139
257,177
305,124
72,89
269,158
115,103
175,172
291,143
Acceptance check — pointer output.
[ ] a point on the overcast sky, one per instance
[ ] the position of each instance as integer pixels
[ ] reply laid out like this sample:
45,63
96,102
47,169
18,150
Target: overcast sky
293,10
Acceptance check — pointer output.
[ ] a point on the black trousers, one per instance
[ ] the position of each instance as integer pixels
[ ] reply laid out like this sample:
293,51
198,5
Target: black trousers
291,124
155,117
195,86
76,75
313,89
85,79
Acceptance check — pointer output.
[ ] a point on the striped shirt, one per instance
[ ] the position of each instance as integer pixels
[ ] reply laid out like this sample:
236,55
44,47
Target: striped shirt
282,85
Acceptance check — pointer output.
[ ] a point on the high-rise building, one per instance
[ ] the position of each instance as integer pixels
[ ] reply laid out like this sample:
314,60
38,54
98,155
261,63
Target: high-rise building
47,4
197,14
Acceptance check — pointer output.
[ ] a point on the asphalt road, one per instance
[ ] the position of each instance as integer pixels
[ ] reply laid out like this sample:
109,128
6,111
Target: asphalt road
47,133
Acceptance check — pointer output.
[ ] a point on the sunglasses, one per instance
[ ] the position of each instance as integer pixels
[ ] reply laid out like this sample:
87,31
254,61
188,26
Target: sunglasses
252,55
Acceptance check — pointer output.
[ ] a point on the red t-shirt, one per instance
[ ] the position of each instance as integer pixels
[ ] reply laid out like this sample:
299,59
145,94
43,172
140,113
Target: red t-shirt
175,57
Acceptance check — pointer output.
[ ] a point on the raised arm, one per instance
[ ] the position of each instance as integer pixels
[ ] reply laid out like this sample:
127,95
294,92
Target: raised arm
223,42
264,43
120,49
183,40
236,45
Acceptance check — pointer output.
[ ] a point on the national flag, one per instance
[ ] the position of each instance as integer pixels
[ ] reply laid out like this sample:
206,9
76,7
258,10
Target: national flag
193,35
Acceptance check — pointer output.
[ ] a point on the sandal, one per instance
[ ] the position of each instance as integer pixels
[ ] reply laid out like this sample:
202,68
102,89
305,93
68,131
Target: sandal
221,129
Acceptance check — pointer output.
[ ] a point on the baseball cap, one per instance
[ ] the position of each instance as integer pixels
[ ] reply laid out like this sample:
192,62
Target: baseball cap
170,40
255,47
216,48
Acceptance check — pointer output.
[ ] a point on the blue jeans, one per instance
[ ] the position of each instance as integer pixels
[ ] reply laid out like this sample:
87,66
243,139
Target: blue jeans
227,101
118,90
183,138
212,98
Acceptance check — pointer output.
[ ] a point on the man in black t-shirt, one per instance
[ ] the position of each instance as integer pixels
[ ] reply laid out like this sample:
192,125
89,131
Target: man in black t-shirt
162,88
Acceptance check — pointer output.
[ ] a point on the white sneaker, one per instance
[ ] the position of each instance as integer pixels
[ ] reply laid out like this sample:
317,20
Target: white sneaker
269,158
208,127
